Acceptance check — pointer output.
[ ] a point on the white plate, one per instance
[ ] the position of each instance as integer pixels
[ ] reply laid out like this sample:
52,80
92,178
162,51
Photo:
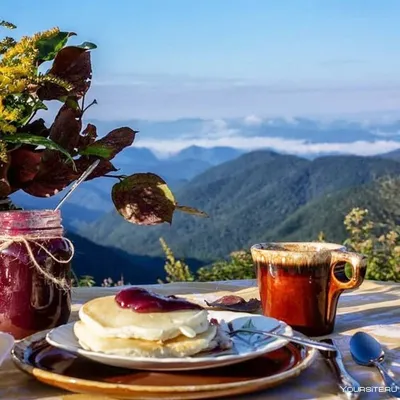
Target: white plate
64,338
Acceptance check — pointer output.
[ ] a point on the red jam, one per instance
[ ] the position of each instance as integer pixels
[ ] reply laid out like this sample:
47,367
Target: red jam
143,301
28,301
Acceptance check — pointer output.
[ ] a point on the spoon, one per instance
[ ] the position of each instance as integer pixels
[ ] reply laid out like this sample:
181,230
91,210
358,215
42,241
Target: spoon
367,351
78,182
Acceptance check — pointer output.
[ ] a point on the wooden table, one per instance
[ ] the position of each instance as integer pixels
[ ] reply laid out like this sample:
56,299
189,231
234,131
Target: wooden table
374,308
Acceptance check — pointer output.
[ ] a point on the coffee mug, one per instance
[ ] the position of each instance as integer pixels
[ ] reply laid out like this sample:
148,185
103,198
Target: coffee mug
300,283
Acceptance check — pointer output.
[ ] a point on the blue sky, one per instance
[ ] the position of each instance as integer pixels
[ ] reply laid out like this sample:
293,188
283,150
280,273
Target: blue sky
229,58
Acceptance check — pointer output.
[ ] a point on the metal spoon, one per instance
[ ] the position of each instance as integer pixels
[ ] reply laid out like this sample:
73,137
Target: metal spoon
294,339
367,351
78,182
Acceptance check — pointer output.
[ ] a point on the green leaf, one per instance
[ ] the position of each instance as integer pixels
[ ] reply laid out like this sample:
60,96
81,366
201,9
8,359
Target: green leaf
71,102
49,47
39,105
30,108
96,150
191,210
26,138
87,46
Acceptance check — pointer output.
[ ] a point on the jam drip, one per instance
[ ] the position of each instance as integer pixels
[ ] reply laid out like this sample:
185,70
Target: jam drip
143,301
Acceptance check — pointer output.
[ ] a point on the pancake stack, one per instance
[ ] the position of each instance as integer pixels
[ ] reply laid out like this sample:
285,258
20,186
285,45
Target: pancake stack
139,329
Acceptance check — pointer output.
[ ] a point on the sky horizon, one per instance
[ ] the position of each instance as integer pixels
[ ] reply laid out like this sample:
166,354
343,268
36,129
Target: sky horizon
213,59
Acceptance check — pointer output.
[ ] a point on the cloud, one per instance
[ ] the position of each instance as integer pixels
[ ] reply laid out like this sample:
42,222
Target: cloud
216,129
289,146
252,120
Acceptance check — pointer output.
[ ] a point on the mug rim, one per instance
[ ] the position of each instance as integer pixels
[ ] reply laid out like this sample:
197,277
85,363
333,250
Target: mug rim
309,247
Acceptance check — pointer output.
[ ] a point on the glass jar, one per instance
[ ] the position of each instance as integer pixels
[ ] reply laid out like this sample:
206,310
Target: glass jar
35,264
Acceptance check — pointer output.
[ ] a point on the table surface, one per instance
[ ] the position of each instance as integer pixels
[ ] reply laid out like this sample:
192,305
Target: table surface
373,308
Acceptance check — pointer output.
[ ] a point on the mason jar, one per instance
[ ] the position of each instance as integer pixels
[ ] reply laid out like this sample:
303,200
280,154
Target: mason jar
35,268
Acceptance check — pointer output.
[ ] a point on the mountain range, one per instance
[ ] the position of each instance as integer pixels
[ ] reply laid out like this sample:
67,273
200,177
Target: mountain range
250,196
259,196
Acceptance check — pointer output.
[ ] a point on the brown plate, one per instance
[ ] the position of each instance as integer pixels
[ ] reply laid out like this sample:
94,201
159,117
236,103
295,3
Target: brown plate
58,368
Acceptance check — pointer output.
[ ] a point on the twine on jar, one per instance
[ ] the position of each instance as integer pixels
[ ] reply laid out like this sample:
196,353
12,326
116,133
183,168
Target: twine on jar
6,241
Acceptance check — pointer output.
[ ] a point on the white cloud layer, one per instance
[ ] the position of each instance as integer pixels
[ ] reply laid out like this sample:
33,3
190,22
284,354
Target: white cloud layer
291,146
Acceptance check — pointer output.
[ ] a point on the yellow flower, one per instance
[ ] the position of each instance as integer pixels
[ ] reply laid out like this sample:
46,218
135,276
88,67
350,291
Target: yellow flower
18,73
3,152
18,67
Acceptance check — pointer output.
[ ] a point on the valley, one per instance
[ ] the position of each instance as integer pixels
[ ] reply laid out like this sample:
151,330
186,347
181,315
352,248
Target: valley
249,195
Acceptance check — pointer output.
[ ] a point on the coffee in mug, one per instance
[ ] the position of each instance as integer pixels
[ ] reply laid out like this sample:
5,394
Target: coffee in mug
300,282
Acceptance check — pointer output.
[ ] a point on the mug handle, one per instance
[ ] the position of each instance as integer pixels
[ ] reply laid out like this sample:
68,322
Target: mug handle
358,264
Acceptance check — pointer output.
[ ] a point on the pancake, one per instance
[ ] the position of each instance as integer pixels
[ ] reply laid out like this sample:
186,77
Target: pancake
180,346
106,319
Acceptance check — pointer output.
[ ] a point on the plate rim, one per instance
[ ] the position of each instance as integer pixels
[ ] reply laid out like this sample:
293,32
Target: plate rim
263,382
193,361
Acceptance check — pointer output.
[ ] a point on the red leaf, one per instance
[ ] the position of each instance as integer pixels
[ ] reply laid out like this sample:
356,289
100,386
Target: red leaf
71,64
56,175
53,173
67,58
235,303
37,128
51,91
51,180
88,136
66,128
144,199
24,166
5,188
110,145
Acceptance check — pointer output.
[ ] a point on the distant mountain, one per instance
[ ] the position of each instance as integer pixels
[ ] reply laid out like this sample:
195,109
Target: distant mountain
133,160
136,156
259,196
392,155
212,156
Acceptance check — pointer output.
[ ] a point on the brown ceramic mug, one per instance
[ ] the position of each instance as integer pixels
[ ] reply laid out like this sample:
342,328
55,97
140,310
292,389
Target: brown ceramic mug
300,283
